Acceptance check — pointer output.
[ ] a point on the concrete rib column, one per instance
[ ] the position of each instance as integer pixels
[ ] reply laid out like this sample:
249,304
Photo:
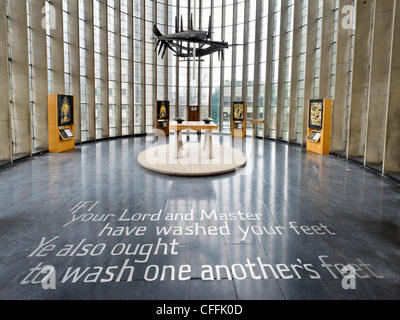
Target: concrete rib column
343,59
267,113
39,74
176,84
143,67
166,60
281,72
245,77
90,79
360,81
210,89
155,69
294,77
5,123
118,77
234,52
57,48
391,161
310,61
73,9
20,96
379,82
221,84
188,64
199,68
105,112
131,105
328,18
257,56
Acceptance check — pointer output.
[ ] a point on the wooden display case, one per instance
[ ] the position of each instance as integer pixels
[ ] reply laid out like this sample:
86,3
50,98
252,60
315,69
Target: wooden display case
193,113
61,122
238,119
319,126
162,116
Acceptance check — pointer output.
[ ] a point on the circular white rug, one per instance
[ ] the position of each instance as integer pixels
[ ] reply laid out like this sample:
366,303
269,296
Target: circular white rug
193,160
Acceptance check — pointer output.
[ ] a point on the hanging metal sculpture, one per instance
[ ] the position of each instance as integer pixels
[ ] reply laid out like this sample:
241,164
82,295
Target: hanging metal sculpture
175,41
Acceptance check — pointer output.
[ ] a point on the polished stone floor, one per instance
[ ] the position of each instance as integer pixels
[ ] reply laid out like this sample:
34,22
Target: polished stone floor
92,224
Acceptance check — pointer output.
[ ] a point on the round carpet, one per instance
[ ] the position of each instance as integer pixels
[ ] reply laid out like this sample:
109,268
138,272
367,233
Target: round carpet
193,160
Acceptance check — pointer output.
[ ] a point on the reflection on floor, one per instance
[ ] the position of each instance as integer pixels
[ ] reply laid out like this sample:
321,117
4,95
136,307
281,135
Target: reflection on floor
92,224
